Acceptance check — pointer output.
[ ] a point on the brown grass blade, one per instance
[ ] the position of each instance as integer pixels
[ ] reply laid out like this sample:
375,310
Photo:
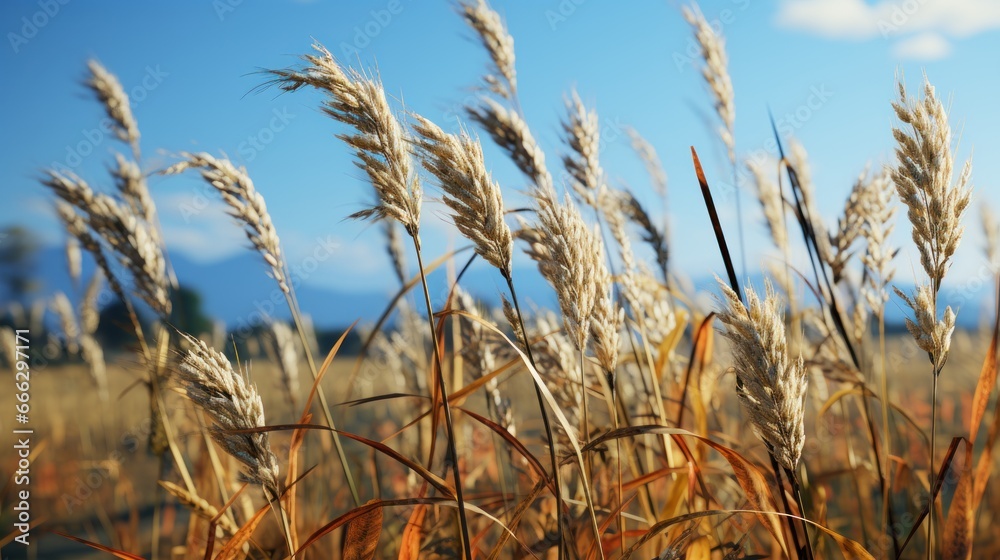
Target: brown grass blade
515,443
720,237
959,527
363,533
409,544
751,480
987,379
362,511
700,354
234,548
97,546
948,458
984,466
515,518
851,549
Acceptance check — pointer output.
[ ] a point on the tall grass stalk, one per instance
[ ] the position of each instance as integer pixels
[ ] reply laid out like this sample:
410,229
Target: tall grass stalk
445,405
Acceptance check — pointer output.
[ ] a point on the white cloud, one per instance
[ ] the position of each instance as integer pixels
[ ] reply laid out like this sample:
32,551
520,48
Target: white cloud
850,19
926,46
923,25
199,227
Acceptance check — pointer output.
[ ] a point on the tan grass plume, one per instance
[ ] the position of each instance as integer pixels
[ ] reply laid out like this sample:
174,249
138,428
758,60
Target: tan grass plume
771,386
470,192
235,407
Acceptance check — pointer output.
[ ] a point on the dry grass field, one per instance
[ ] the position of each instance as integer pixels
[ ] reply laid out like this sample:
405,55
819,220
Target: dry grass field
778,420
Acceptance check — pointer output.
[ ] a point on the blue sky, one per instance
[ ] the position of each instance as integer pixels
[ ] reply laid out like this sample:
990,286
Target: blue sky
191,66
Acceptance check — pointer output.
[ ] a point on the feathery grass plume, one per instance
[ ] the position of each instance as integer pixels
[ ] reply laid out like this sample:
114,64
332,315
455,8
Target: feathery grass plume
931,335
509,131
132,185
90,315
556,355
848,229
200,506
114,224
798,158
651,234
63,309
878,212
76,227
713,52
923,179
568,253
773,387
478,353
287,357
8,341
246,204
650,159
582,133
111,94
234,405
648,300
771,201
470,192
74,260
606,320
397,253
379,142
93,355
991,230
510,314
498,43
388,362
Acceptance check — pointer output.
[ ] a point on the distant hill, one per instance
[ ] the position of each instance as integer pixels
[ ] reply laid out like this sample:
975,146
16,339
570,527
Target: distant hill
237,289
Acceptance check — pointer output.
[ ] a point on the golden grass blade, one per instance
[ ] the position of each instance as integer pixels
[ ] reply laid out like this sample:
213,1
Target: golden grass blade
409,544
234,548
751,480
959,526
701,352
987,380
363,532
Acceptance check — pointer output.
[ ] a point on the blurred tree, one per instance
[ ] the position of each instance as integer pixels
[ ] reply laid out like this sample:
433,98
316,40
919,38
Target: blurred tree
188,315
115,331
17,263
